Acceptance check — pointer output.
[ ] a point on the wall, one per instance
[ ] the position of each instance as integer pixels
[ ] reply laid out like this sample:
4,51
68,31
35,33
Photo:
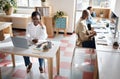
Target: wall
117,11
25,11
117,6
68,6
112,4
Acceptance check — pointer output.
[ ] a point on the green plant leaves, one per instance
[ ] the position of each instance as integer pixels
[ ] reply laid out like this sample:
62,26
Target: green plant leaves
6,4
58,14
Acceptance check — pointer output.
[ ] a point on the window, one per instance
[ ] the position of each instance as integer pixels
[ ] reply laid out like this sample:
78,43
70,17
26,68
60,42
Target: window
28,3
82,4
22,3
101,3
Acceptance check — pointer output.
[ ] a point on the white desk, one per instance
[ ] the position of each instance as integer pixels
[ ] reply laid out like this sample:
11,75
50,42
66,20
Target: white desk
104,37
5,27
108,58
7,47
19,20
108,64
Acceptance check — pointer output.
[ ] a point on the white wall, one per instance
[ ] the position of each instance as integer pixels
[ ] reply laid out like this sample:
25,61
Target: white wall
25,11
68,6
117,11
112,4
117,7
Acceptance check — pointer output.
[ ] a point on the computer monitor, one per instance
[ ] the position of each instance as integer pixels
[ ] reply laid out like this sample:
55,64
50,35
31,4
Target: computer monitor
114,21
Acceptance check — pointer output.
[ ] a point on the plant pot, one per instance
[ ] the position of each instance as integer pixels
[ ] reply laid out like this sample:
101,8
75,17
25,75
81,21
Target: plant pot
115,45
101,15
44,3
10,11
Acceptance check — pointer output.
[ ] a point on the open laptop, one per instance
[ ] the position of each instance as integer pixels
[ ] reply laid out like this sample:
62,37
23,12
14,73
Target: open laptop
20,42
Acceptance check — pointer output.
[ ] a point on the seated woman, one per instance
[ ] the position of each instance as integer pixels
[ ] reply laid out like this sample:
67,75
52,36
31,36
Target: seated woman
85,37
35,31
92,14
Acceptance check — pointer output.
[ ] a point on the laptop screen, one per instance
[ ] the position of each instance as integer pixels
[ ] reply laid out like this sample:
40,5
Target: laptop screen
20,42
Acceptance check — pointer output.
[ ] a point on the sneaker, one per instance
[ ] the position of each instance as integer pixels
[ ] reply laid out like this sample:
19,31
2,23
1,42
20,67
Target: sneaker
41,70
29,67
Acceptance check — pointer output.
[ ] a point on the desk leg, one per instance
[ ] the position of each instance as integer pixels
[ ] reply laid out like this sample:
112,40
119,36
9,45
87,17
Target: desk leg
58,61
50,68
13,60
65,33
57,30
1,35
0,74
96,70
10,30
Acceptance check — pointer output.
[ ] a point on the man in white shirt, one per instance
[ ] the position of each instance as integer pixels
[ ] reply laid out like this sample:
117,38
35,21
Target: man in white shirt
35,31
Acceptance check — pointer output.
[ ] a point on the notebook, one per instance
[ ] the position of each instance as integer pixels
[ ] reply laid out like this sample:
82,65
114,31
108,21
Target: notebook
20,42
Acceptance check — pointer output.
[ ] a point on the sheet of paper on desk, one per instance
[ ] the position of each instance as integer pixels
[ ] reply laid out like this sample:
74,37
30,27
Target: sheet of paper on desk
100,39
98,25
101,30
36,50
101,42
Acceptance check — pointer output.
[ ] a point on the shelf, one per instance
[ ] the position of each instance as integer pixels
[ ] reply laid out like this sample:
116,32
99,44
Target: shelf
106,12
44,11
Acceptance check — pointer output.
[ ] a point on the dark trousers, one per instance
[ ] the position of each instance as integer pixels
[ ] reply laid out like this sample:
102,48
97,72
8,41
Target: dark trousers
27,61
89,44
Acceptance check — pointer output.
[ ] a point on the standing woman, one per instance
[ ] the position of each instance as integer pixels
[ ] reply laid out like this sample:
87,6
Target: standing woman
85,38
35,31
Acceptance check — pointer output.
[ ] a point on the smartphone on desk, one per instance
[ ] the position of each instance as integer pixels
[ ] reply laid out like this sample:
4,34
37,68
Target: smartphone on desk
101,37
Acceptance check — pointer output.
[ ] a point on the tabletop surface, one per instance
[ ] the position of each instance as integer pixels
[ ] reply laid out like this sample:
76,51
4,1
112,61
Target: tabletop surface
15,15
4,25
108,58
108,64
7,46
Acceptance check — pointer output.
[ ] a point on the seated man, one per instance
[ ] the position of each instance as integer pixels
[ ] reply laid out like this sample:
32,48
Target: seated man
85,37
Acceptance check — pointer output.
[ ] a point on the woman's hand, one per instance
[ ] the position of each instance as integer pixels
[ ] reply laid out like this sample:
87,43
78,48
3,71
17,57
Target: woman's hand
41,24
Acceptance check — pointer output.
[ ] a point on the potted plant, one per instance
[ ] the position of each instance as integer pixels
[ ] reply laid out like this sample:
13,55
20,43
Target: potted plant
58,14
60,21
115,45
44,2
8,6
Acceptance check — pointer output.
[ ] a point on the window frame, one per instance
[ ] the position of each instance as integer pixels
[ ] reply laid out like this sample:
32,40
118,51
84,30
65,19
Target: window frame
29,7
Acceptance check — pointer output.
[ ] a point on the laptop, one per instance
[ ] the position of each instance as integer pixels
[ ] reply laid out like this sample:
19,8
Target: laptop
20,42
